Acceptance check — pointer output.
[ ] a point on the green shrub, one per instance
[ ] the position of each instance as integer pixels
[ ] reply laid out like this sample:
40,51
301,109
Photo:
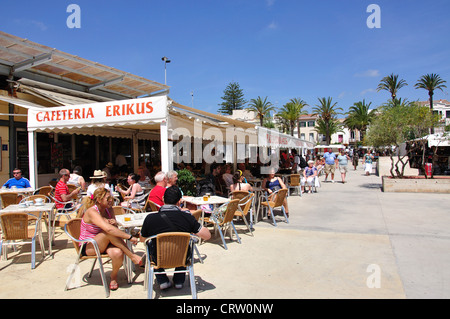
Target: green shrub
186,181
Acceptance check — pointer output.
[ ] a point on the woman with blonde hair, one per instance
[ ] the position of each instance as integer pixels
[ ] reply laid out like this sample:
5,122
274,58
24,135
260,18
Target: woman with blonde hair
98,222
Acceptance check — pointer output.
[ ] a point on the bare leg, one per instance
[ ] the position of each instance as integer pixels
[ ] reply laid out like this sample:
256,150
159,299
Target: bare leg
104,240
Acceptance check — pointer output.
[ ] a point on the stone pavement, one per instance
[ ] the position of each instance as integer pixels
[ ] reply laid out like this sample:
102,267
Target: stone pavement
346,241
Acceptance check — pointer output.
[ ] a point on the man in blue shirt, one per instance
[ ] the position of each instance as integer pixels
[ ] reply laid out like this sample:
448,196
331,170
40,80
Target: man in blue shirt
330,164
17,181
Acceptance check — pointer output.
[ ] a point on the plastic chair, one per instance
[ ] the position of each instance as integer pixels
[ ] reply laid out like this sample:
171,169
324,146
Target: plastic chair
171,250
8,198
223,219
295,184
275,200
15,226
245,206
72,229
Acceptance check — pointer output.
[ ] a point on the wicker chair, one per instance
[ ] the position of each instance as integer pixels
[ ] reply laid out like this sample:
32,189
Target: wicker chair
15,226
44,190
172,250
59,212
223,221
71,188
295,184
8,198
244,207
275,200
150,206
72,229
120,210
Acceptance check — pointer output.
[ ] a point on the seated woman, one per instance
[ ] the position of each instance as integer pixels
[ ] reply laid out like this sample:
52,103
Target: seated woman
98,222
98,181
272,184
77,179
309,174
133,192
239,184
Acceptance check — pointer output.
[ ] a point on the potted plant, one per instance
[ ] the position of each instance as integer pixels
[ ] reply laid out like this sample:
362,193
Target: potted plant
186,181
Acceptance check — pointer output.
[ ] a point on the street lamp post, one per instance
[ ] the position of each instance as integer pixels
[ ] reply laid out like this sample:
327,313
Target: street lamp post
166,60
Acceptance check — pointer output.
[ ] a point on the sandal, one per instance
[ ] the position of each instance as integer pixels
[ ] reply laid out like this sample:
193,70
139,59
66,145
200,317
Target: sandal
113,286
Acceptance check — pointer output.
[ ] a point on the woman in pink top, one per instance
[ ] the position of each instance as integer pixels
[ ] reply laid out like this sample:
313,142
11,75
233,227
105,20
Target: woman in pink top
99,223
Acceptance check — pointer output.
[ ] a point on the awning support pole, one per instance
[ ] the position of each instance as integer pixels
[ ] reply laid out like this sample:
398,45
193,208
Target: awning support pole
164,146
32,159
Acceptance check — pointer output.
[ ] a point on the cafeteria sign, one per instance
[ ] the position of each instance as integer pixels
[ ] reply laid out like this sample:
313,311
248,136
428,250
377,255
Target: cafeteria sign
98,114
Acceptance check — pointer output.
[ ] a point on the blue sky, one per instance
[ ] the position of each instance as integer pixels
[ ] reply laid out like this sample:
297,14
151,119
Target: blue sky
281,49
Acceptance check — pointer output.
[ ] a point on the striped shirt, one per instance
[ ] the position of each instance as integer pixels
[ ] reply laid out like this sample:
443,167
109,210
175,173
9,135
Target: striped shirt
90,230
60,188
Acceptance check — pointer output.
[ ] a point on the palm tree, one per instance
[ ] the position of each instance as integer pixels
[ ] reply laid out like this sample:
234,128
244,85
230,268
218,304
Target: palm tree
260,107
300,104
391,84
431,82
359,117
327,123
291,112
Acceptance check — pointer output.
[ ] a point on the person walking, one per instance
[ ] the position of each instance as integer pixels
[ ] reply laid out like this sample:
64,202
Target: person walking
330,164
342,161
367,161
355,159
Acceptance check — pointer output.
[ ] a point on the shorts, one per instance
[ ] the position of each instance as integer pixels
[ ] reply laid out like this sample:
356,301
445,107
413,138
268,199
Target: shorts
343,169
330,168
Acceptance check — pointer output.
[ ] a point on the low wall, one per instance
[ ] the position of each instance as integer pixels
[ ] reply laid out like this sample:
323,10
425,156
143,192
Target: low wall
416,185
384,167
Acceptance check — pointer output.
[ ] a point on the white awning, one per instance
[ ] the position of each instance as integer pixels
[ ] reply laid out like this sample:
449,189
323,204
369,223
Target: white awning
275,139
104,114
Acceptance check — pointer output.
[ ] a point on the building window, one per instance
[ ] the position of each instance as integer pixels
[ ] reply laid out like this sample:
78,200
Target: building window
447,114
302,136
302,124
311,137
311,123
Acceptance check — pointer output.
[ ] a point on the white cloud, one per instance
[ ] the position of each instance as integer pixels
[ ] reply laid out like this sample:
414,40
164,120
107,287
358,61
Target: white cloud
272,26
31,23
368,74
270,3
368,91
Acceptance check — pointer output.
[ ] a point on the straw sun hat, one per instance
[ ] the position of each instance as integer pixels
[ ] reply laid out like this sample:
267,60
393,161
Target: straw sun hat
99,174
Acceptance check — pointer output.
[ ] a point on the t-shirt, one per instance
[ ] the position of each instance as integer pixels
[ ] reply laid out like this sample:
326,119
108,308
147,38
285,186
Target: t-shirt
156,195
309,171
329,158
19,183
368,159
60,188
182,221
343,160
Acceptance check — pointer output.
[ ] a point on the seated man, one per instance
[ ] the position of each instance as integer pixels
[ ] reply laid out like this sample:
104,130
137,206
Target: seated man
157,192
17,181
62,193
178,221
